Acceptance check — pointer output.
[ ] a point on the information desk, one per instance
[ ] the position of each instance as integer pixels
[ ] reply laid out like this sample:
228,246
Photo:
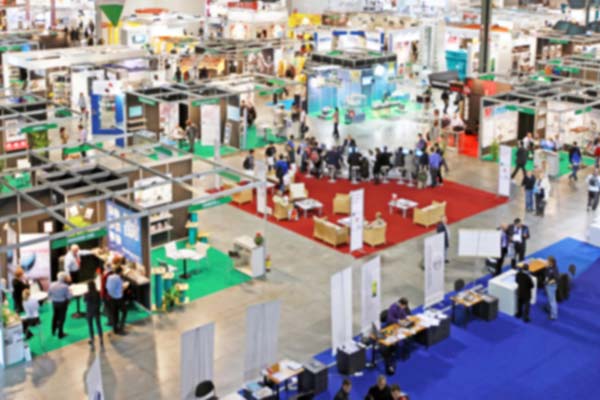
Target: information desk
282,372
504,287
537,267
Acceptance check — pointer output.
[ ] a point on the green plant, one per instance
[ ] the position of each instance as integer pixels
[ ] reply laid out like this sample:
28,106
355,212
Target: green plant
171,297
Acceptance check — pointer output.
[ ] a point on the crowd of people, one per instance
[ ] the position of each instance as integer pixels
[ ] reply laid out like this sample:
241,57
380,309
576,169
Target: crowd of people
112,295
379,391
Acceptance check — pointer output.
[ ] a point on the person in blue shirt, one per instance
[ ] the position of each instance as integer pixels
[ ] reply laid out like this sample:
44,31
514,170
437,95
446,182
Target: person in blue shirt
281,168
551,285
421,143
574,160
118,308
398,311
435,163
59,294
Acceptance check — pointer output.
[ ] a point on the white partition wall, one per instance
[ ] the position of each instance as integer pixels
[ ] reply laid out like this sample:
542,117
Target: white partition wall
357,216
262,333
197,355
371,293
434,269
341,309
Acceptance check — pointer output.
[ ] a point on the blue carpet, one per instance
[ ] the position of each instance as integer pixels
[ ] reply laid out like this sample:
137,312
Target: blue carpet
506,358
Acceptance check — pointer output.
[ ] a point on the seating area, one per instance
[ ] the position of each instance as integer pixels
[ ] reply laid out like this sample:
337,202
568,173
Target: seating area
330,233
431,214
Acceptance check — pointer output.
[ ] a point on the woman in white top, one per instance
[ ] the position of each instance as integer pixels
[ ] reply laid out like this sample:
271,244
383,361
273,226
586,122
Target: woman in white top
542,193
32,313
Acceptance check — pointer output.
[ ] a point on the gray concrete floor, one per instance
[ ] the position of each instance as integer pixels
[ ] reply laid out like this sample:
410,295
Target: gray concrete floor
145,364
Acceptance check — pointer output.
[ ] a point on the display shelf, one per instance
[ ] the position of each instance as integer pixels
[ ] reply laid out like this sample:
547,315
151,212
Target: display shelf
160,217
166,228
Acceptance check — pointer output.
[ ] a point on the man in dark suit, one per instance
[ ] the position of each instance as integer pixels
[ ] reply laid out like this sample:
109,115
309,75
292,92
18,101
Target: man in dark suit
442,227
518,233
521,160
504,240
344,392
524,286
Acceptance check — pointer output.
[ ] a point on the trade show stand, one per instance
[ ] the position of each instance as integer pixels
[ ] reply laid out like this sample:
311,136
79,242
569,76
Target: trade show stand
504,287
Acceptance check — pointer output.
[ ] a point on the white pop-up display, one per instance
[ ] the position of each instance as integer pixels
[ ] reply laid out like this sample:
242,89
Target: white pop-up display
479,243
504,287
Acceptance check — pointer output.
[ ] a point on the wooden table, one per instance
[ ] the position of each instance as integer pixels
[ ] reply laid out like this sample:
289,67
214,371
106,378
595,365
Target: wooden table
391,332
281,373
475,298
535,266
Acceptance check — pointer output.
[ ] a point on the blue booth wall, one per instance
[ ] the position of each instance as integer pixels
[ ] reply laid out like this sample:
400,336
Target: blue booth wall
97,128
363,81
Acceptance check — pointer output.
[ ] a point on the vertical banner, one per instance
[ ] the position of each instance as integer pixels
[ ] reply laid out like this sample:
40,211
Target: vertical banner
341,309
357,205
197,355
371,294
504,171
434,269
93,380
262,333
261,192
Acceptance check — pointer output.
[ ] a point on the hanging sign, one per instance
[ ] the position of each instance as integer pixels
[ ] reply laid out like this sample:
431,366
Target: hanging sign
112,9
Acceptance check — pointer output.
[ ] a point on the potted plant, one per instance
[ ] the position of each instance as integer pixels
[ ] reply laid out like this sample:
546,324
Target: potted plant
495,149
171,298
259,240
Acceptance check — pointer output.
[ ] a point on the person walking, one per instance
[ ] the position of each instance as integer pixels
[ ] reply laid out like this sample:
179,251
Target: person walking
191,131
442,227
303,126
574,160
435,163
550,286
59,294
92,311
521,161
528,184
542,193
593,182
504,242
19,285
524,286
336,122
248,163
446,100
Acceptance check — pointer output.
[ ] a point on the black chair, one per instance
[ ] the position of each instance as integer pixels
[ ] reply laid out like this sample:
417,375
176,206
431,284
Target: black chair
572,270
206,391
459,285
383,317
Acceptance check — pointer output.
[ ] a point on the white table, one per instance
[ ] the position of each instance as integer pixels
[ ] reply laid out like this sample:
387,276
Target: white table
504,287
307,205
189,254
402,204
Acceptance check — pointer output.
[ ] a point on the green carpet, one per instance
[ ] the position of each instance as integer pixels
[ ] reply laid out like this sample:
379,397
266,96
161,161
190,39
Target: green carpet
564,168
205,151
76,329
253,141
217,271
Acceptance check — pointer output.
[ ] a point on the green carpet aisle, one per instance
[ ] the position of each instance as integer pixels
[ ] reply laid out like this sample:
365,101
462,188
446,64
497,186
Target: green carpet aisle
564,166
371,114
253,141
217,272
76,329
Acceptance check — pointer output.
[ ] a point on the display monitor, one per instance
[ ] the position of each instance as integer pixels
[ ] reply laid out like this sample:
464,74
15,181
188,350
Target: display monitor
136,111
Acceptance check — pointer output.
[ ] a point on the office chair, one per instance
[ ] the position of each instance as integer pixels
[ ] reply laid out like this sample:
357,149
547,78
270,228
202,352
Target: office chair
383,317
206,391
459,285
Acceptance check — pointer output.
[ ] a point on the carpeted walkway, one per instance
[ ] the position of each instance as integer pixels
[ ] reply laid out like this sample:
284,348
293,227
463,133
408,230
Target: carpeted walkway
564,167
208,276
76,329
462,202
506,358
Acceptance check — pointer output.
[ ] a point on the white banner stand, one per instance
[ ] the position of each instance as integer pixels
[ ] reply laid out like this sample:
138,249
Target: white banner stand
197,355
371,294
341,309
504,171
262,335
434,247
93,380
357,216
261,192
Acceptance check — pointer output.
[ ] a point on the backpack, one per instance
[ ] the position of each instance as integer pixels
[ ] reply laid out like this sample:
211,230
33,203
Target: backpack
246,164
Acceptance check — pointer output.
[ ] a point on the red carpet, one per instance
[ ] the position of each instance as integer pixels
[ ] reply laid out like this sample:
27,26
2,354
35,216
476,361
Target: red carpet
462,202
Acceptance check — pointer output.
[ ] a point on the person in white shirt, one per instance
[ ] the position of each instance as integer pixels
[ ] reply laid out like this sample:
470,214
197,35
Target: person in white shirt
593,182
72,262
542,193
457,123
32,313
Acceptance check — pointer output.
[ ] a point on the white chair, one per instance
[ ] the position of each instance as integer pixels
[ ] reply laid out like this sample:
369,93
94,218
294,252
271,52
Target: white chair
298,191
171,251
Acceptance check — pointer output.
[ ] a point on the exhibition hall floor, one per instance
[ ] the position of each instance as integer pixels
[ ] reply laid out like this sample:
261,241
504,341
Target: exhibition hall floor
461,202
145,363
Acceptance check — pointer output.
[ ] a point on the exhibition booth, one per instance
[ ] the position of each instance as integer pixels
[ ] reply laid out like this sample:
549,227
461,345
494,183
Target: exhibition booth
144,25
48,72
248,20
140,208
266,56
15,44
555,43
359,82
28,122
584,67
215,106
557,111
